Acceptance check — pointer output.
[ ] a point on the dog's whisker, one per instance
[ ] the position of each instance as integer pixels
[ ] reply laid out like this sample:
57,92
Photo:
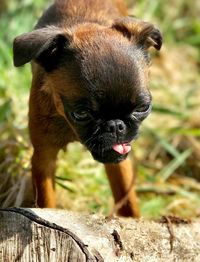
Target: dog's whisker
102,154
89,141
134,117
92,137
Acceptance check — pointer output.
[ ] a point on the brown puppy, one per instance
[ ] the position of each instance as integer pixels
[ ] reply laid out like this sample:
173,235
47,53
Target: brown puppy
90,83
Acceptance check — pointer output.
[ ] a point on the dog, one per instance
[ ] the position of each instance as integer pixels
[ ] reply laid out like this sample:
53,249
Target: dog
90,67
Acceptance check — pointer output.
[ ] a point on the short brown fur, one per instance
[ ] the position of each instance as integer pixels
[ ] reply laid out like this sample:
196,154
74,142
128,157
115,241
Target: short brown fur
50,127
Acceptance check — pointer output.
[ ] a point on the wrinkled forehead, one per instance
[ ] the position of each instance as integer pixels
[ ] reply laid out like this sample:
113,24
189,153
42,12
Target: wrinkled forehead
105,70
112,70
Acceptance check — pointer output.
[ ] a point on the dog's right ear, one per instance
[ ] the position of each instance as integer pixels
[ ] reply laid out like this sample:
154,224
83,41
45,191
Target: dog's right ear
43,45
139,32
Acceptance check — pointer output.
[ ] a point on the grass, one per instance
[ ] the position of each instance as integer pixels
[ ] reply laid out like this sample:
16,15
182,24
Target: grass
167,152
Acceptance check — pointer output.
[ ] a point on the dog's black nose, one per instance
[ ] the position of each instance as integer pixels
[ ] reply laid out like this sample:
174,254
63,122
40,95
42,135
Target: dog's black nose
115,126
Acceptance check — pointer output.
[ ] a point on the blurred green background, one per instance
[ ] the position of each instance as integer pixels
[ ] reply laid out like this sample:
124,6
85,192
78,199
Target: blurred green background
167,153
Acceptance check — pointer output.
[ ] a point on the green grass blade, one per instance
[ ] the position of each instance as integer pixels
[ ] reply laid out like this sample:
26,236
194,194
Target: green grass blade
63,178
164,143
168,170
169,148
65,187
187,131
168,111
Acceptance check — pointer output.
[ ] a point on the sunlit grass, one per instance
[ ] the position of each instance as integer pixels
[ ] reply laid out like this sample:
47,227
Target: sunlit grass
167,153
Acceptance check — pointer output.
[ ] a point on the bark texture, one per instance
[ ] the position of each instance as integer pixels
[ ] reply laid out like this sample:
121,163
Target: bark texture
55,235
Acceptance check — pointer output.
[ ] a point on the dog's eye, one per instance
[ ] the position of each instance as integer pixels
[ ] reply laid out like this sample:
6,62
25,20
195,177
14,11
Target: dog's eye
81,115
143,109
141,112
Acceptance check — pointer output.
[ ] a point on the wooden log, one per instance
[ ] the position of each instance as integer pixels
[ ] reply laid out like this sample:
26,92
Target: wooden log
55,235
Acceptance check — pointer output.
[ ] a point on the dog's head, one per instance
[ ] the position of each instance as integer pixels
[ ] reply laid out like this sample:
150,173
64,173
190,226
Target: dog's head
98,77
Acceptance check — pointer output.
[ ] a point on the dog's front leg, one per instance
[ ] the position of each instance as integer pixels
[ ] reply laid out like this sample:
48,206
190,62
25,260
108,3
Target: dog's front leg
43,172
121,178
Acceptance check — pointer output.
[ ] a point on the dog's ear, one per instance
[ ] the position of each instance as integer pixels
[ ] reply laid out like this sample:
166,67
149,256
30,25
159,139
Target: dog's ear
139,32
42,45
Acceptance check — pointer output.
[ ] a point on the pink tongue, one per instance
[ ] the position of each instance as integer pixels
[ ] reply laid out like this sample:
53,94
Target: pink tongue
122,148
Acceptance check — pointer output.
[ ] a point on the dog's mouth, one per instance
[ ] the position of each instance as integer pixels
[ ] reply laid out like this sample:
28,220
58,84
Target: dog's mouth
122,149
113,154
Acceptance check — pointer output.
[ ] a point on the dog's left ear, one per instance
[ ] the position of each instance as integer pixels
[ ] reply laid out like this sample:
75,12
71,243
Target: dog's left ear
45,46
139,32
